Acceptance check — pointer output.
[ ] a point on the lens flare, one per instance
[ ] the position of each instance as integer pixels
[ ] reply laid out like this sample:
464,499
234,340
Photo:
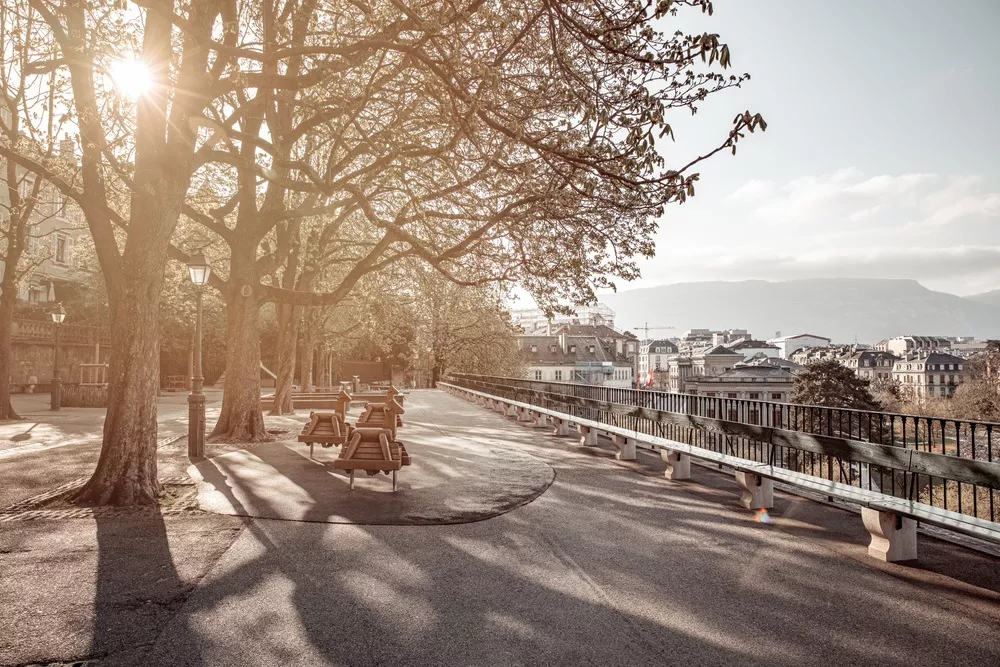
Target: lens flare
762,516
132,78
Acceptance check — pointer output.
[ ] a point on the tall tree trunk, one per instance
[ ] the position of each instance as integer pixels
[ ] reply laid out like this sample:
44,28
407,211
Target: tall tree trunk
8,299
288,338
308,360
241,419
126,470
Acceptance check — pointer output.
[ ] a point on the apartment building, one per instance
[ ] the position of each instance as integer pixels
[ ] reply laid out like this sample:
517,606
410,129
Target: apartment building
904,345
930,374
756,383
871,364
710,361
654,354
787,345
577,359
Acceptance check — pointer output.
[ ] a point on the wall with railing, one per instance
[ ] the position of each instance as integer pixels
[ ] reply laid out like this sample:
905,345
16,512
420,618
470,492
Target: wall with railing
944,463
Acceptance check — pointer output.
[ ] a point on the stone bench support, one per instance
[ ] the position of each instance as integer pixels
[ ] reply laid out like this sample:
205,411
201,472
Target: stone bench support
560,426
541,420
678,465
758,492
523,415
588,436
625,447
894,537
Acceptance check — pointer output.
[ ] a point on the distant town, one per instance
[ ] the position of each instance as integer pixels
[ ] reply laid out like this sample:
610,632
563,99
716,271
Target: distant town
588,348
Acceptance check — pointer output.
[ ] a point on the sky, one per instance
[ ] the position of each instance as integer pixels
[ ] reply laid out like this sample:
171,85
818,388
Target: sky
880,158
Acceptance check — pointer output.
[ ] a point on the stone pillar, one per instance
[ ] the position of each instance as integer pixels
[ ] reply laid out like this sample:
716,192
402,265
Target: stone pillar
522,414
625,447
541,420
588,436
678,465
757,492
894,537
561,428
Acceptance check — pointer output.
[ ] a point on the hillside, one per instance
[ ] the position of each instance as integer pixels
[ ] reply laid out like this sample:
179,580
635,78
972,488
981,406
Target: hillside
838,308
992,297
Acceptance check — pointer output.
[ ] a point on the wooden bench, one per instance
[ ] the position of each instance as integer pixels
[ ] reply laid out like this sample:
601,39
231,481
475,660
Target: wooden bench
385,416
890,521
373,450
325,428
176,383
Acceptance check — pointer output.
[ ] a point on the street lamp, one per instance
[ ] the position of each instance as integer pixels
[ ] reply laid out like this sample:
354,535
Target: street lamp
199,270
58,316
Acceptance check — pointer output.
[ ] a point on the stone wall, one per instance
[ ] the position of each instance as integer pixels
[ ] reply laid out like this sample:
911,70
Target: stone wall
34,360
84,396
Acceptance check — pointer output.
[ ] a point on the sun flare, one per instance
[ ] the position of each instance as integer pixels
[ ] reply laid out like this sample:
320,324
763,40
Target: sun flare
132,78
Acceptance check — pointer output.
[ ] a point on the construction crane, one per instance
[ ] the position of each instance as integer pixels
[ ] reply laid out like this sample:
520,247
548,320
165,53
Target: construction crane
646,329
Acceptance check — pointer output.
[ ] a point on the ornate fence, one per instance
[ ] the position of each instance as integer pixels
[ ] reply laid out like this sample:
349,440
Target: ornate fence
944,463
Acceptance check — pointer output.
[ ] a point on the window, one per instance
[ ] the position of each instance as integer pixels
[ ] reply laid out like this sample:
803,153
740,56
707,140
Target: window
534,348
710,393
959,366
572,348
553,348
930,379
558,376
754,396
538,375
865,363
776,396
62,253
731,395
590,349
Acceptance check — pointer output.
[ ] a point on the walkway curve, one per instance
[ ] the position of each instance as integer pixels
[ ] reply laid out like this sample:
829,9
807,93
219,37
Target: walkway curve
463,471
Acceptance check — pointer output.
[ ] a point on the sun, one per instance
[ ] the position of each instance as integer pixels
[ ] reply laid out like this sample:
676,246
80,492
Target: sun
132,78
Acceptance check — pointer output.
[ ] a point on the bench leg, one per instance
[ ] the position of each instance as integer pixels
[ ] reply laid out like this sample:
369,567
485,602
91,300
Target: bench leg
758,492
678,465
541,420
393,481
522,415
894,537
352,480
310,450
588,436
625,447
560,427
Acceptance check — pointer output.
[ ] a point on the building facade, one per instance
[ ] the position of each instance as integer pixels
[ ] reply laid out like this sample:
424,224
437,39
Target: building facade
930,375
871,365
534,321
576,359
653,356
756,383
684,367
904,345
787,345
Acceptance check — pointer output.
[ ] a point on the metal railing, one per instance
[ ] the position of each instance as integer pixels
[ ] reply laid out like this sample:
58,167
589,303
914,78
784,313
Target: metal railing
950,474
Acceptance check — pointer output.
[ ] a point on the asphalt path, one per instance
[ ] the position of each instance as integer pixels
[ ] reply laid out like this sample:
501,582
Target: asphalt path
611,565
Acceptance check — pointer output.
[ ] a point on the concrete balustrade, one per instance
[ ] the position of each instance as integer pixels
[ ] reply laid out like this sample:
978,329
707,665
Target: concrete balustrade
893,534
625,447
757,491
894,537
678,465
588,436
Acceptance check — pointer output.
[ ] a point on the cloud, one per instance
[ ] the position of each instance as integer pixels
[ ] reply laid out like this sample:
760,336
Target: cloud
753,190
944,263
907,201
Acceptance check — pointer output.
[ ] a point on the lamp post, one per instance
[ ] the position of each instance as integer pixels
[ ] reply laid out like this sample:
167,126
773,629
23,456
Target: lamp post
199,271
58,315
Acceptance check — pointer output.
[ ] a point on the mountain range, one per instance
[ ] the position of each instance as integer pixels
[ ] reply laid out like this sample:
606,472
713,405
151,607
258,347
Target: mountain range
845,310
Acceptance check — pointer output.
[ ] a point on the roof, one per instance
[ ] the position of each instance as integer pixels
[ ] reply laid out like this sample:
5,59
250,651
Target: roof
599,330
581,354
719,349
661,346
783,339
755,344
766,373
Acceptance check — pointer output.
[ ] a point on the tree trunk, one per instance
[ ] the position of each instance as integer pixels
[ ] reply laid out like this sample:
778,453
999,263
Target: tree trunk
288,337
8,299
241,419
308,359
126,471
435,376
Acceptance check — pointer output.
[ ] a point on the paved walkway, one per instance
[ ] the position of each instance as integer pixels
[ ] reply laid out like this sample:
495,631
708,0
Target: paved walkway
611,565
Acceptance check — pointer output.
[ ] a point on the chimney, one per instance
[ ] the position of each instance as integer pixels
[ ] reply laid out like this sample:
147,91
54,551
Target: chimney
562,341
67,149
